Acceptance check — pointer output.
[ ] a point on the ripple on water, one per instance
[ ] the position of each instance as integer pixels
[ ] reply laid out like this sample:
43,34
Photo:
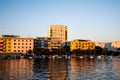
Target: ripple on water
60,69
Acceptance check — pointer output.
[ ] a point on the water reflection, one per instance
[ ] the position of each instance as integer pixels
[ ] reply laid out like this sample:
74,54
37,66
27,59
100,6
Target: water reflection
60,69
15,69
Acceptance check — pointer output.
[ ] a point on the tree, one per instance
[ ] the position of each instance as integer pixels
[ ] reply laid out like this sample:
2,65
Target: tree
98,50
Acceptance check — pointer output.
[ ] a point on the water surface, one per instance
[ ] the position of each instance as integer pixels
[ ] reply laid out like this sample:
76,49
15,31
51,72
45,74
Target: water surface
60,69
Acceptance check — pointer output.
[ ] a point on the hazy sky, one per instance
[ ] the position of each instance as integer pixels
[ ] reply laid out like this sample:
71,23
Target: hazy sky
96,20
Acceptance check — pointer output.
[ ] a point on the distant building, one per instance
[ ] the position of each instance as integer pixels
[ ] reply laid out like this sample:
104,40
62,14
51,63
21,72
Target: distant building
14,44
82,45
100,44
58,32
115,44
42,43
58,35
1,45
55,44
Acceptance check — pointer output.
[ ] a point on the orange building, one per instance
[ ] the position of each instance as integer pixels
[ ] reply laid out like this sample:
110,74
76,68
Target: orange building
16,44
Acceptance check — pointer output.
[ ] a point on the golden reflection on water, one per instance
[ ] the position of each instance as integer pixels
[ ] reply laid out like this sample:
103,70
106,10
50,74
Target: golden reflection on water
59,69
13,69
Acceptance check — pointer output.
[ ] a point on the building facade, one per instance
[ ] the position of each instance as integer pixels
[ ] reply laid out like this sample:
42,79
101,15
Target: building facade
17,44
58,35
42,43
115,44
58,32
100,44
1,45
82,45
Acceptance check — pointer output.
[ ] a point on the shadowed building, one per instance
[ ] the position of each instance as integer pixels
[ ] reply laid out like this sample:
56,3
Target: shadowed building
41,42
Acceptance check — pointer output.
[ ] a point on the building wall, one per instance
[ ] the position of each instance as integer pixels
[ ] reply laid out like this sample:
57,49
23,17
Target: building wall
115,44
1,45
55,44
100,44
82,45
41,42
17,44
59,32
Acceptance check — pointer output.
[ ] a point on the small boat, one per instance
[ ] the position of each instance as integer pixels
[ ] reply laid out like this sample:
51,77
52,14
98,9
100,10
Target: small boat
91,57
81,57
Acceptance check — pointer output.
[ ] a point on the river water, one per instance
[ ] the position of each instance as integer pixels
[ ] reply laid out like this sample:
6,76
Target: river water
60,69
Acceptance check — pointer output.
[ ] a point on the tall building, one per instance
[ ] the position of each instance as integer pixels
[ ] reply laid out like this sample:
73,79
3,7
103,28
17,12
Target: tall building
58,35
58,32
15,44
82,45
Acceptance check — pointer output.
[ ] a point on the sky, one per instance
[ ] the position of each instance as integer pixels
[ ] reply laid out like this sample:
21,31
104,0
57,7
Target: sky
96,20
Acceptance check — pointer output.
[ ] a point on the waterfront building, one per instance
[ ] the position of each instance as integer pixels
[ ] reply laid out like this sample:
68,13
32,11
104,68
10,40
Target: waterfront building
58,35
100,44
55,44
41,43
82,45
16,44
1,45
115,44
58,32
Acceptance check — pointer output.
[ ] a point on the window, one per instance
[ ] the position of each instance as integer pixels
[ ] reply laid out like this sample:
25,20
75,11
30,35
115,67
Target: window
22,43
14,46
14,43
14,40
14,50
18,43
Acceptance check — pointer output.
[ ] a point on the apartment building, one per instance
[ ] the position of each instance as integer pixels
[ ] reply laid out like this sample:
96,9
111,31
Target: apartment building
82,45
42,42
115,44
1,45
17,44
58,32
58,35
100,44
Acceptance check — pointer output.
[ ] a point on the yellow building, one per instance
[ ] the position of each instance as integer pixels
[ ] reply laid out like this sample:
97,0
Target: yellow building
82,45
1,45
17,44
115,44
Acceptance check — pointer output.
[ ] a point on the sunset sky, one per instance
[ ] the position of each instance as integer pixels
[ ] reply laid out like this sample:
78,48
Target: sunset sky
96,20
